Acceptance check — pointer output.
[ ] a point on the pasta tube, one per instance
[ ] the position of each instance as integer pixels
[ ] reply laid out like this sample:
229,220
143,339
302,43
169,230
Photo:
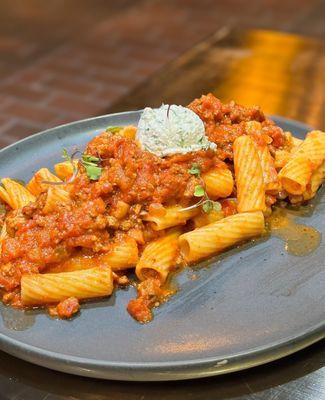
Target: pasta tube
296,142
270,175
218,182
316,180
172,217
213,238
123,255
75,263
128,132
55,195
36,185
313,148
38,289
292,142
296,174
159,257
281,158
15,194
207,218
249,176
4,196
64,170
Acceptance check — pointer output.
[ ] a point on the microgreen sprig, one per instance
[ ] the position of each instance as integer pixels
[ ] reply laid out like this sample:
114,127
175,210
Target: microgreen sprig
113,129
66,156
195,170
89,162
207,204
91,165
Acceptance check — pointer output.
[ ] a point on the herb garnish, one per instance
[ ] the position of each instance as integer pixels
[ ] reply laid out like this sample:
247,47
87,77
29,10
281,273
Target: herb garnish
91,165
65,155
195,170
113,129
210,205
207,204
199,191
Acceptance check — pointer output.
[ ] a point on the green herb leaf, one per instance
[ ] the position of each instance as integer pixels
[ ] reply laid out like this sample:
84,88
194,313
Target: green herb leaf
194,170
93,172
207,206
65,155
199,191
86,158
210,205
217,206
114,129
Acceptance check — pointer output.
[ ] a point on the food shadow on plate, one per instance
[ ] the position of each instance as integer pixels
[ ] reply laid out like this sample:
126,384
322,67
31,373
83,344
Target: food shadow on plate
21,320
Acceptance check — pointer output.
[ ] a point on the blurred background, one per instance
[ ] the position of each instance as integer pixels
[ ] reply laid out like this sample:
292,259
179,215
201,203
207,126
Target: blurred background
66,60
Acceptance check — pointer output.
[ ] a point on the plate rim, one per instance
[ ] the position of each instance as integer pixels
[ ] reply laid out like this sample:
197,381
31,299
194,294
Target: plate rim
164,370
156,371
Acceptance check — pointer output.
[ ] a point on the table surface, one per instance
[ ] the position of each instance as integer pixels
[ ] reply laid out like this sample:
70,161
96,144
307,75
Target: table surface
282,72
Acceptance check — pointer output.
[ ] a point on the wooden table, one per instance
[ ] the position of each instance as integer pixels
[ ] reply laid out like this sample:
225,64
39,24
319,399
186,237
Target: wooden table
283,73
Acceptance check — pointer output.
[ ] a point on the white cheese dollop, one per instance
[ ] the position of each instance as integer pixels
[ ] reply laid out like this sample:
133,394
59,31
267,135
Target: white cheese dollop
171,130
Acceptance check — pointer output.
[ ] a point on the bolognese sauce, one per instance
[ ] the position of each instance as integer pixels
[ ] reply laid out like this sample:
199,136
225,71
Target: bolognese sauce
129,175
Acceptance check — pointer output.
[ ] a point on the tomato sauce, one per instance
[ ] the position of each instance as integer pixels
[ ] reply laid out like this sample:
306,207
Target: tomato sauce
129,174
133,177
225,122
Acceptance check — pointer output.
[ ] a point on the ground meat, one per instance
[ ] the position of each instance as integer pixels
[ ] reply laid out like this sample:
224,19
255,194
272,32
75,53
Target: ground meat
212,111
137,176
225,122
150,293
66,308
140,309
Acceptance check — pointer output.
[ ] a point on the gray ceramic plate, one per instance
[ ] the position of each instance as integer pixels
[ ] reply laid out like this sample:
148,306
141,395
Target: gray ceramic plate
247,307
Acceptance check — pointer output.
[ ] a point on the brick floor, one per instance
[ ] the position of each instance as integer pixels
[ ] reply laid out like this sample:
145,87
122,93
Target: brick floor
62,61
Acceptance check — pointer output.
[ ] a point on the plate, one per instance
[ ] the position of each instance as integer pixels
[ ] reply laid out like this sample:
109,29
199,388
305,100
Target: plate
247,307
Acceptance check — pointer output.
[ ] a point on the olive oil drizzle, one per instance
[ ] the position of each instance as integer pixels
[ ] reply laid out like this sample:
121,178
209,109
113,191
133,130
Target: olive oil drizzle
300,239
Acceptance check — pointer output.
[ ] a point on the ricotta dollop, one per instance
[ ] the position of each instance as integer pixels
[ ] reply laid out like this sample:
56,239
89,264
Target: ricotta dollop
171,130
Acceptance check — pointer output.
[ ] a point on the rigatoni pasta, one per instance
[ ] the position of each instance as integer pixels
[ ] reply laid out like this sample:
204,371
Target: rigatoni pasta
159,257
204,218
270,176
64,170
15,194
139,203
170,216
51,288
316,180
296,174
38,185
218,183
310,154
249,176
123,255
55,195
213,238
313,148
